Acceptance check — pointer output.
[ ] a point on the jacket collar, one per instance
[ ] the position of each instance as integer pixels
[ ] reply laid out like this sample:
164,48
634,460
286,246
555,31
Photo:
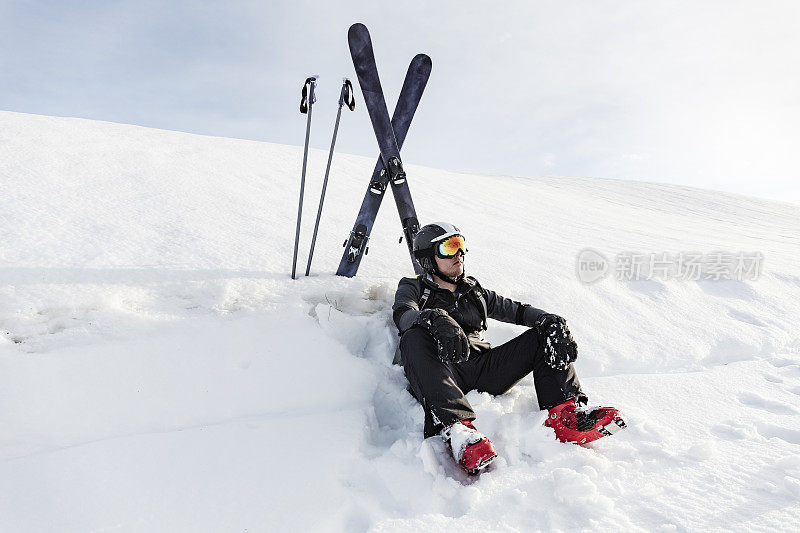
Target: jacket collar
466,284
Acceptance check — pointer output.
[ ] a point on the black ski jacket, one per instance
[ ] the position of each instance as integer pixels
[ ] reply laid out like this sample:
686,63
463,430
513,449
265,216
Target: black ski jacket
463,305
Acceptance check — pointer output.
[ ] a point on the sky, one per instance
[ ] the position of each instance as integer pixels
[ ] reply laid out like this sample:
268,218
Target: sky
704,94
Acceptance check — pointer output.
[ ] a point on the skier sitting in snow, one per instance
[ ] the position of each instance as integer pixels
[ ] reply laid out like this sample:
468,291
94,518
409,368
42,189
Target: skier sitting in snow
442,317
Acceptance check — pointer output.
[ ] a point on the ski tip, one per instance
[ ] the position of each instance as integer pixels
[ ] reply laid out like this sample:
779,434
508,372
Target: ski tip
424,58
422,61
358,38
356,29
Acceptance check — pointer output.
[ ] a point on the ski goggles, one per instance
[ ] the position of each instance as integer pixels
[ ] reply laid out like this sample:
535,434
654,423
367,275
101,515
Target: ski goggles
450,246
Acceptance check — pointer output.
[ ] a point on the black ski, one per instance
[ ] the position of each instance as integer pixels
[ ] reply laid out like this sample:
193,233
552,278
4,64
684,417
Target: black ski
364,62
356,245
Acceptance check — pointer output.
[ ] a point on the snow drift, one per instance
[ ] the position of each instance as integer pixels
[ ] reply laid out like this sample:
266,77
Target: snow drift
160,371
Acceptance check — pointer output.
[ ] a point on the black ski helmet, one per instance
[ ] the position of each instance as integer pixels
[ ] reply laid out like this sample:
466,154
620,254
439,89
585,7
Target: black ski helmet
425,242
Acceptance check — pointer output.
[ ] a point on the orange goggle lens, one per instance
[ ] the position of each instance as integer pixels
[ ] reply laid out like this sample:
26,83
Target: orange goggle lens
450,246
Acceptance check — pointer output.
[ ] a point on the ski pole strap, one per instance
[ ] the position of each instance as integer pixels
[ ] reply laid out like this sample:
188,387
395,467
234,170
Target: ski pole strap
304,104
348,98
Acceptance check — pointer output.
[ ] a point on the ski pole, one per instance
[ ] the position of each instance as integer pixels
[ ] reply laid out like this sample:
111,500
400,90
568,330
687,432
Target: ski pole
345,97
306,103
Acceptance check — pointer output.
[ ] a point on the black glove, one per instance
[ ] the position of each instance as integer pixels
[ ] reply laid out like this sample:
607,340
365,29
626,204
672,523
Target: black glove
560,348
452,344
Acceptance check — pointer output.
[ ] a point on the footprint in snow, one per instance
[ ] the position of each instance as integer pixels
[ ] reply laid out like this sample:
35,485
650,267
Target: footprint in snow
733,430
772,378
728,288
751,399
785,366
769,431
650,288
783,362
747,318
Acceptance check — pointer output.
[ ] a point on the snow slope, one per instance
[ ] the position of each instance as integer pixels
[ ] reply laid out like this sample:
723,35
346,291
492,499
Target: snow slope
160,371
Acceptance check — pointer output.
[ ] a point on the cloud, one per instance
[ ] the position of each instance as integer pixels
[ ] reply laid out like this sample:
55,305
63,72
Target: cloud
682,92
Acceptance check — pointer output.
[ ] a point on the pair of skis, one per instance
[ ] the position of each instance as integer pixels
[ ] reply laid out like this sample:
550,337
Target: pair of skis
390,135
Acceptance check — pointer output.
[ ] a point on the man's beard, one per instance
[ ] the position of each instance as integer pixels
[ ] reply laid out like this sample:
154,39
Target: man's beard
457,274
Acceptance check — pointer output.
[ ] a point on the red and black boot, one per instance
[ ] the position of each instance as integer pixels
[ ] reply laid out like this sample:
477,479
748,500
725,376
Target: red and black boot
471,449
583,424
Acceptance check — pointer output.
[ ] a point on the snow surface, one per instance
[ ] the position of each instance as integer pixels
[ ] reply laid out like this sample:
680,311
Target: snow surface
159,370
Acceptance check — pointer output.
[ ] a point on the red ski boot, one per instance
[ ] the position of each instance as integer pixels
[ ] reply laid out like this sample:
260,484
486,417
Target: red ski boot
583,424
470,448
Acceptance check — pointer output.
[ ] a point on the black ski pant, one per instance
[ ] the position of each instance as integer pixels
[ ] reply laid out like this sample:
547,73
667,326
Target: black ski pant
440,386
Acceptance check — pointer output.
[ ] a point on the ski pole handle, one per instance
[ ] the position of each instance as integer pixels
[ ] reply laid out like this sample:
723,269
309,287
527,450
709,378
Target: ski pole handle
346,97
311,82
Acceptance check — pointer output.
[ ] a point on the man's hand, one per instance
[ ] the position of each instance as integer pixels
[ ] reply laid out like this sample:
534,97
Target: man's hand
451,343
560,348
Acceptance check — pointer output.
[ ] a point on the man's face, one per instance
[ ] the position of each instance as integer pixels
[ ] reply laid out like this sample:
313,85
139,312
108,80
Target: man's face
451,267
